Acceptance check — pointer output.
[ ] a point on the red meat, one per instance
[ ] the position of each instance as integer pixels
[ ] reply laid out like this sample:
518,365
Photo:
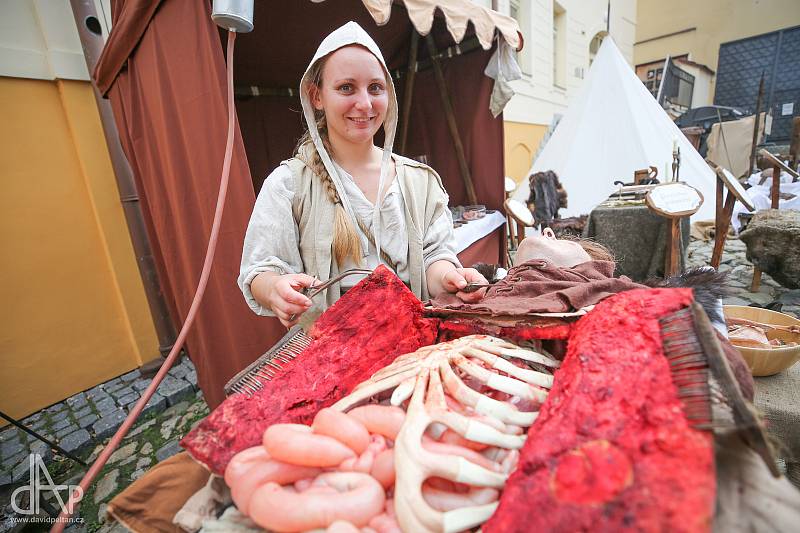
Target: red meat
364,331
612,449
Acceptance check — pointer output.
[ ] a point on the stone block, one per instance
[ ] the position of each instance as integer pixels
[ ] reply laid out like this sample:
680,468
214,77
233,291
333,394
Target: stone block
175,390
123,453
11,448
144,426
128,400
773,244
9,434
106,486
113,385
178,371
108,424
122,391
77,401
105,406
60,424
10,462
80,413
168,450
85,422
131,376
156,404
63,432
77,441
42,449
141,384
54,409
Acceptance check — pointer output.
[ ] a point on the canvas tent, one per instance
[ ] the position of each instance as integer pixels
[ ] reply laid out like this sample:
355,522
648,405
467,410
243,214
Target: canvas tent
613,127
164,72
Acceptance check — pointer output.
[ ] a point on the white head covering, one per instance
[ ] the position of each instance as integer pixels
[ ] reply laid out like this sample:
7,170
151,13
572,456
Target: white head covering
349,34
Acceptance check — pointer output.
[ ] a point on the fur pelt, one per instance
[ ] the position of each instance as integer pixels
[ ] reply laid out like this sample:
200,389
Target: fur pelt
710,286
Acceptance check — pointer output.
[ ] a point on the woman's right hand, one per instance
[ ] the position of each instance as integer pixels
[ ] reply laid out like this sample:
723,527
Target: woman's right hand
281,293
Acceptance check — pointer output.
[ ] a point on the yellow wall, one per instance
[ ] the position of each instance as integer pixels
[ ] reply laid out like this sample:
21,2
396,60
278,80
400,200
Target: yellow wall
716,22
521,142
74,312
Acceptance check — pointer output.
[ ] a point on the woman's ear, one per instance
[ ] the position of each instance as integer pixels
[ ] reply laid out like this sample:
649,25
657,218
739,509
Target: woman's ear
315,96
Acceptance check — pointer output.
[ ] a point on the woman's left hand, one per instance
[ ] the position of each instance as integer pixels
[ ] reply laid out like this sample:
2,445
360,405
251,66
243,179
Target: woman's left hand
455,280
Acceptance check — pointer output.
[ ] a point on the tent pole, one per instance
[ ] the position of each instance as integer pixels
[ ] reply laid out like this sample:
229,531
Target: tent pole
129,197
451,120
755,126
408,92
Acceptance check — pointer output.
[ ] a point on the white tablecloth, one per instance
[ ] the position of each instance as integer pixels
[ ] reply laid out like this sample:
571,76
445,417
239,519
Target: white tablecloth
477,229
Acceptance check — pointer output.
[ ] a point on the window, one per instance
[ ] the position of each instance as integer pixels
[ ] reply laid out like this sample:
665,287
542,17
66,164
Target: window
594,45
520,11
559,45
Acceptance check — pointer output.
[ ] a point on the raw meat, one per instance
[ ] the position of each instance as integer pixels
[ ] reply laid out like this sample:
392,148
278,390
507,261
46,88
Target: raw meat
363,332
612,449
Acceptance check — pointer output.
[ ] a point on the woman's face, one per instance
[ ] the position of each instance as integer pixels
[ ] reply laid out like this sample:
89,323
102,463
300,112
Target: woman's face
353,95
562,253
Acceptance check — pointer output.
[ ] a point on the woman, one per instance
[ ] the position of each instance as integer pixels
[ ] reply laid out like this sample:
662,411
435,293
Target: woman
315,215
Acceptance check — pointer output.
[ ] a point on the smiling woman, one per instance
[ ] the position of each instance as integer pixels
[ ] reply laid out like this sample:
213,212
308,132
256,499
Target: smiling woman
341,202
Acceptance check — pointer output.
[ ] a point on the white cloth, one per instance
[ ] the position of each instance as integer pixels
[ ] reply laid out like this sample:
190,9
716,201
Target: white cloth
761,196
477,229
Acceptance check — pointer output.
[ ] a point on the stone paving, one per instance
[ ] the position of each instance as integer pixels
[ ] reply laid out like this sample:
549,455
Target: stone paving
83,423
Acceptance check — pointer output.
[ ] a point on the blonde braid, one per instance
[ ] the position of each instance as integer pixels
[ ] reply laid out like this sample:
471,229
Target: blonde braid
346,243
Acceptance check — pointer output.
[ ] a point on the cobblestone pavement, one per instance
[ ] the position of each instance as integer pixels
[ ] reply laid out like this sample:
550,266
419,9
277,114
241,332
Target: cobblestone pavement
82,425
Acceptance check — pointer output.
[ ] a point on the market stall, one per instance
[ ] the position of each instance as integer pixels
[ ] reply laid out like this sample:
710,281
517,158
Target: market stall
163,71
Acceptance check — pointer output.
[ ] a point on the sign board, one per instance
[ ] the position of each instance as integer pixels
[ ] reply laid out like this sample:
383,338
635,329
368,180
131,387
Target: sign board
674,200
735,187
787,109
774,160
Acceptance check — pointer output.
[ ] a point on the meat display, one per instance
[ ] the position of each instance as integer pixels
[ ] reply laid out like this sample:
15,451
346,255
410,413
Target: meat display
612,449
364,331
425,445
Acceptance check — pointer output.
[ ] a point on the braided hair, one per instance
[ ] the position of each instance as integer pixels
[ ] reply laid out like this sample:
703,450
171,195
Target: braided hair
346,243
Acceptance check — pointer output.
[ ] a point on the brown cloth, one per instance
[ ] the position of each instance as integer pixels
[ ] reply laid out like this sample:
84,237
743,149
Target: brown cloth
538,286
169,104
150,503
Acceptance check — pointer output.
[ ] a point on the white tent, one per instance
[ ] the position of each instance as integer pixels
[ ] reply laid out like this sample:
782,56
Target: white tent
613,127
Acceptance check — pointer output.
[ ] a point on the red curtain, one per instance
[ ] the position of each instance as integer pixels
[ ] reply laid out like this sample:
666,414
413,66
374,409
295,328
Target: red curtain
169,101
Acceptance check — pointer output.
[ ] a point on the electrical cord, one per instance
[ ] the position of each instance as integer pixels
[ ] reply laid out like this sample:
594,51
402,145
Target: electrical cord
94,469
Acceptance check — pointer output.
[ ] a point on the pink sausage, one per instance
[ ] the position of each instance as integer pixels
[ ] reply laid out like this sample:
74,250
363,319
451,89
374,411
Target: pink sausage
270,471
243,461
345,429
452,449
383,523
381,419
357,500
383,468
342,526
291,444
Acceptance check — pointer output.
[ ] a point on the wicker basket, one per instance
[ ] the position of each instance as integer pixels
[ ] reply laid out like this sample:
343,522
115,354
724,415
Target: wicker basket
762,361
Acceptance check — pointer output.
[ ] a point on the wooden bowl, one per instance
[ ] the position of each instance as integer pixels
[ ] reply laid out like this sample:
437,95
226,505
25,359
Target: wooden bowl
764,361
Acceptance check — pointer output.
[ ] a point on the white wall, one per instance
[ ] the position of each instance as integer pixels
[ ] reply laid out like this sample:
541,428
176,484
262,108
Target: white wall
537,99
39,39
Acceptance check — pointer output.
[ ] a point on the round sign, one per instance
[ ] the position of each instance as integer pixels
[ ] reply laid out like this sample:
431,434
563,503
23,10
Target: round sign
674,200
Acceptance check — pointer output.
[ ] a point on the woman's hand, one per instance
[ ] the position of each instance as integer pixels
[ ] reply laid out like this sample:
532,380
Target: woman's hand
443,276
281,293
455,280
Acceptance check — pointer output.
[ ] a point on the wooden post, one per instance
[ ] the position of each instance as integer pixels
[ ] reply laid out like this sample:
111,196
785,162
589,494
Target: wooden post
673,247
721,233
451,120
408,92
776,186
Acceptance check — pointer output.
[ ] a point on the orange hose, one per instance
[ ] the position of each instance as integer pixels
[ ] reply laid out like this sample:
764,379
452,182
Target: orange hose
101,460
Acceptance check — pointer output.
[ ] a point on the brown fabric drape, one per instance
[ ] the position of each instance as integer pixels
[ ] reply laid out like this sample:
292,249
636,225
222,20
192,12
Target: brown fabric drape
170,108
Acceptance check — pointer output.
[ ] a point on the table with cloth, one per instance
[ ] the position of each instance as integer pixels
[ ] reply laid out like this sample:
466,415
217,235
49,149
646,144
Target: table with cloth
636,236
778,399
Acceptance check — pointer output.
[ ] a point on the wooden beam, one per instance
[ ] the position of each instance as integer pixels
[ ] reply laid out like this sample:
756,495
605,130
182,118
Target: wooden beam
451,120
408,92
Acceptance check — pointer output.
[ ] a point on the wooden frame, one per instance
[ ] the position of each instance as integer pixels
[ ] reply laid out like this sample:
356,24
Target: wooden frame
511,207
724,209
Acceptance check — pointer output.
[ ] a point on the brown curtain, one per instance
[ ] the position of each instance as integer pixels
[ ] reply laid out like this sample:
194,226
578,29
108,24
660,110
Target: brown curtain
169,101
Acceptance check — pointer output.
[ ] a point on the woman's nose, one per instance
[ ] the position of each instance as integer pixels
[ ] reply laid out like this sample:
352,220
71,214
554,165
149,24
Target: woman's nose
363,100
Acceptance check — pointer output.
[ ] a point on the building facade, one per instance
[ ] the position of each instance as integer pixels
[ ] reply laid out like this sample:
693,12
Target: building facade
75,312
692,33
561,39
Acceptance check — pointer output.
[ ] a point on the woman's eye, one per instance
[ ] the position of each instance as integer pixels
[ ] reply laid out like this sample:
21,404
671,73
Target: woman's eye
346,87
376,88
